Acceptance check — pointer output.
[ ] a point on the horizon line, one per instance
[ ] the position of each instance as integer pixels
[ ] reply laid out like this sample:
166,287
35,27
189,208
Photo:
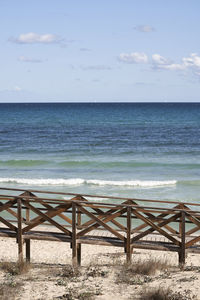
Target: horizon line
98,102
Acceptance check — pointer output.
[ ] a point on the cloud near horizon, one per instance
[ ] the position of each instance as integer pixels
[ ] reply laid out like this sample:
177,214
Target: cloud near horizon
34,38
158,62
134,57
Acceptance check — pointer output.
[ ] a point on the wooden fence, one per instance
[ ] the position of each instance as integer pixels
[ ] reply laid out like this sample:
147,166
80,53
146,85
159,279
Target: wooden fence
111,221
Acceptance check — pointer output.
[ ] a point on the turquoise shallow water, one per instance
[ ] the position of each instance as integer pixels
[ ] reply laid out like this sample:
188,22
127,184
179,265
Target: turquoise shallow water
144,150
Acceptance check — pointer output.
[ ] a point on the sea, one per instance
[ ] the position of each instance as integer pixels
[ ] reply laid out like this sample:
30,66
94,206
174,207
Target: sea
137,150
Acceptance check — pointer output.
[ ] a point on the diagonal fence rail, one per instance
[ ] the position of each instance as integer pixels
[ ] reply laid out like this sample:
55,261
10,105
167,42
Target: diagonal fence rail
111,221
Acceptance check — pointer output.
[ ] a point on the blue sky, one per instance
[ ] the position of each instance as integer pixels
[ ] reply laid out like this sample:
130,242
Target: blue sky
122,50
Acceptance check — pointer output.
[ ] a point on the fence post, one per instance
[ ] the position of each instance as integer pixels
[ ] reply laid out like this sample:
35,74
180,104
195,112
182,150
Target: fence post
28,242
182,247
79,244
19,230
180,223
74,244
128,236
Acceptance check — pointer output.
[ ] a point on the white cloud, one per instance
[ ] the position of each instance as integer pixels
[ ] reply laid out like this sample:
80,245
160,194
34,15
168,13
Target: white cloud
30,60
144,28
174,67
32,38
158,62
134,57
192,61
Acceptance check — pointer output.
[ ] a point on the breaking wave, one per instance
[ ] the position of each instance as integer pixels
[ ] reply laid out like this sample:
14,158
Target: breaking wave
80,181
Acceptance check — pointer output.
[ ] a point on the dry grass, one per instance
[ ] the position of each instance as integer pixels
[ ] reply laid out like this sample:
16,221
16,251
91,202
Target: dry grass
166,294
70,272
88,282
15,268
94,270
9,288
82,291
139,272
7,292
149,267
74,294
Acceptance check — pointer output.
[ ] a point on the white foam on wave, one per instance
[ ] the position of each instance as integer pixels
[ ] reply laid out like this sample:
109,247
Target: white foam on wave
80,181
136,183
71,181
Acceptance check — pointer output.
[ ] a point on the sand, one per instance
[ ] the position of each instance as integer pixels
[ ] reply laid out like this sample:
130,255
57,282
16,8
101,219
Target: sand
99,274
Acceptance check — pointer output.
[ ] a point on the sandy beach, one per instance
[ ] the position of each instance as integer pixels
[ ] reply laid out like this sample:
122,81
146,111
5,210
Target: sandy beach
103,274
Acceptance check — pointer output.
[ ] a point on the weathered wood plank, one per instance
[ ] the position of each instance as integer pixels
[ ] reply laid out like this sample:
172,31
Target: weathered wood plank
11,226
65,218
157,219
102,223
27,241
41,219
193,230
46,217
151,230
12,212
46,205
8,204
128,236
182,246
196,222
74,243
102,214
19,230
156,227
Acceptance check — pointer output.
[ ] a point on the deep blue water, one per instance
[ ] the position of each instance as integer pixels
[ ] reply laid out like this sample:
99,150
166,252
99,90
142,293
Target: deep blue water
149,150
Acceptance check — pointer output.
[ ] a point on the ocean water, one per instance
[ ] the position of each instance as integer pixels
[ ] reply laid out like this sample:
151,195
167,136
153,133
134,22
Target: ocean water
146,150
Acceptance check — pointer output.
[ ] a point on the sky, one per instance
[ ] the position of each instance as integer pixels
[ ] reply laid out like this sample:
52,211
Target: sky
99,51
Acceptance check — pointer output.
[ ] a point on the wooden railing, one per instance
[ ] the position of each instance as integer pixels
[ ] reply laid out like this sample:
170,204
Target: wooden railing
112,221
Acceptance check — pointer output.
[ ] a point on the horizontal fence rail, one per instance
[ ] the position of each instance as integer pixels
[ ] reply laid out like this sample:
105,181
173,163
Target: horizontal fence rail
110,221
